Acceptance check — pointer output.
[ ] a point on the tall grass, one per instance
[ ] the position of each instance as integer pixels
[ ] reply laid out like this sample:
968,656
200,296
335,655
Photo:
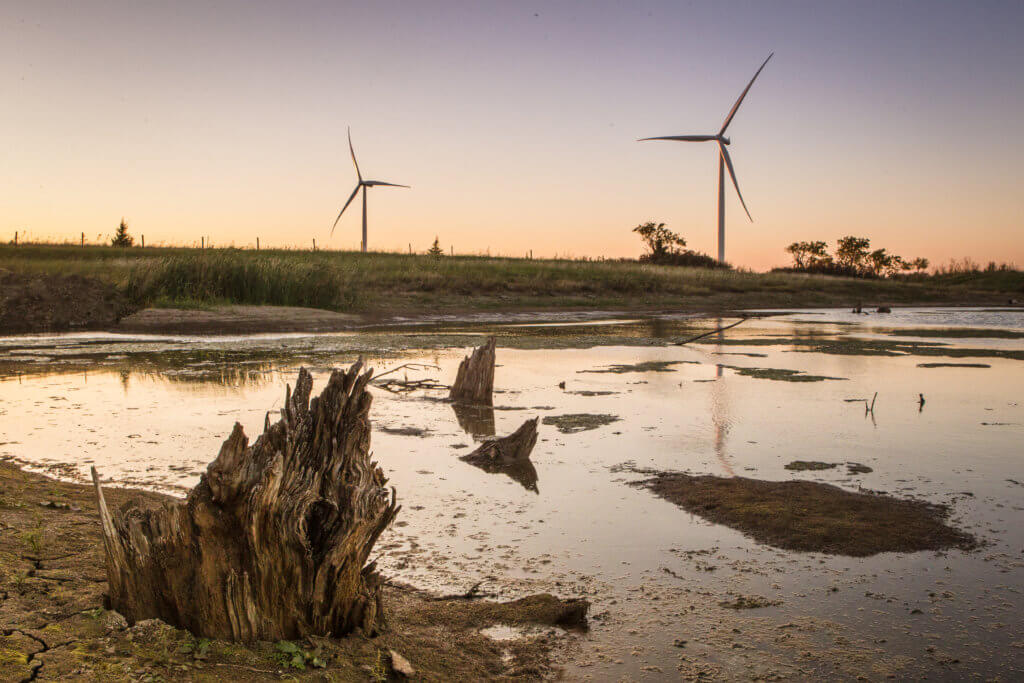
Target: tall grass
352,281
221,276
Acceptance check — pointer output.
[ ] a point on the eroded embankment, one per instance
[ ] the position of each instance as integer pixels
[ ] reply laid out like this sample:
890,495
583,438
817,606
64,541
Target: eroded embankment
56,303
53,624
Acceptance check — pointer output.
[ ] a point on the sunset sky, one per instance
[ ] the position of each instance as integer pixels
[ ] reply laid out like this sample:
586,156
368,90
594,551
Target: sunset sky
516,123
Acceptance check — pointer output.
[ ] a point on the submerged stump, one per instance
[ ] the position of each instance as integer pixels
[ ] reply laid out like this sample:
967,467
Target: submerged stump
273,542
474,381
509,455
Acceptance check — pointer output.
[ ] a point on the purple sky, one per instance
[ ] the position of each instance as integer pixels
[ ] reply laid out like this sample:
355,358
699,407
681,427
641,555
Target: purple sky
515,123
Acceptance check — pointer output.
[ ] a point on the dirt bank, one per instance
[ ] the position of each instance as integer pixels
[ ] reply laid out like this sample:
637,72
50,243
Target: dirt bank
809,516
57,303
237,320
53,624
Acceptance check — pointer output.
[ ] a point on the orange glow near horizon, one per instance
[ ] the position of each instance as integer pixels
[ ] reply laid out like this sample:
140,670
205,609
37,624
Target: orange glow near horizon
516,128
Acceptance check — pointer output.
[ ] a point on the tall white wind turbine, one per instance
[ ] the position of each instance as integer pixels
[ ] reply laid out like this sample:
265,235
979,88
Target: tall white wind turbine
724,161
361,185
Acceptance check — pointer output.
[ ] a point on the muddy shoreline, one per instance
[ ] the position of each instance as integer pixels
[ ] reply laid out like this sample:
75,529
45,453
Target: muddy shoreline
54,625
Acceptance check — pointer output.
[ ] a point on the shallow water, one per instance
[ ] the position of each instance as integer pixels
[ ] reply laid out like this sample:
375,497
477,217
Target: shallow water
152,411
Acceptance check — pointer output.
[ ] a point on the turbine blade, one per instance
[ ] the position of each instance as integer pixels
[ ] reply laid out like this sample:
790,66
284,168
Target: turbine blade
350,198
353,151
732,174
732,112
683,138
374,183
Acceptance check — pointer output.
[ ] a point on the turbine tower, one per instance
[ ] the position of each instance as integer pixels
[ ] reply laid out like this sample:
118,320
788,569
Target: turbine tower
361,185
724,161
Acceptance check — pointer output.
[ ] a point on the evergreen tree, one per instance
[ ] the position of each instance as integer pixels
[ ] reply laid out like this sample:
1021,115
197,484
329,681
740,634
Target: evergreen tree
121,237
436,251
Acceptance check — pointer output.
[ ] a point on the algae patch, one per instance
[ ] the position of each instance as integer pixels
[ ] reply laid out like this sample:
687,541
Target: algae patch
805,465
953,365
779,374
579,422
646,366
810,516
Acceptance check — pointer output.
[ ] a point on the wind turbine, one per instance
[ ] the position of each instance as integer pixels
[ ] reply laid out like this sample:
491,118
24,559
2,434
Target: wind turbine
361,185
724,161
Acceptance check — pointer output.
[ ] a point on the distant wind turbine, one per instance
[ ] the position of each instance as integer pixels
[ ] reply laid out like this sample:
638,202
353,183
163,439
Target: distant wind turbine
361,185
724,161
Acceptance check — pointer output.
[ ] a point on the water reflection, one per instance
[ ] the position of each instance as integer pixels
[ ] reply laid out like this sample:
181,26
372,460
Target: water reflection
524,473
477,421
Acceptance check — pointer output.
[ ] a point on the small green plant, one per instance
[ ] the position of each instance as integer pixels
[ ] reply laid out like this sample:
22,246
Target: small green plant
20,581
291,655
33,540
379,670
199,649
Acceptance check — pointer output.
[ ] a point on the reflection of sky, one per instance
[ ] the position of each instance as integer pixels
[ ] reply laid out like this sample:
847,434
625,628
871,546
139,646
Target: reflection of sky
515,123
585,528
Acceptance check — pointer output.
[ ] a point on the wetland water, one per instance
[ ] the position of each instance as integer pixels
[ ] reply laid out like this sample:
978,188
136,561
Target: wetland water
153,411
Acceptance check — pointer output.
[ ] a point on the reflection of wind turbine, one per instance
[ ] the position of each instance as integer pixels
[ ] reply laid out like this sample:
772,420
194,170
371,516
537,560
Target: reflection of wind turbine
361,185
723,161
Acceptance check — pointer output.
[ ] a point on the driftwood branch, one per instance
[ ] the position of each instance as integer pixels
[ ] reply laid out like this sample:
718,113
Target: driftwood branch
273,542
708,334
474,381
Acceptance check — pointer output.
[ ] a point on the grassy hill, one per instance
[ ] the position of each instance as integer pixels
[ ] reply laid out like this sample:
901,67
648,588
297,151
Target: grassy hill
383,283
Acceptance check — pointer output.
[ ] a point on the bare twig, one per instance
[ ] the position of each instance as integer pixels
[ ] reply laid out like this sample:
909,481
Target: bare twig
708,334
413,366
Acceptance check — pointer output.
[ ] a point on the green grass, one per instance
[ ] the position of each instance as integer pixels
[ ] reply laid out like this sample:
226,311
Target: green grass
382,282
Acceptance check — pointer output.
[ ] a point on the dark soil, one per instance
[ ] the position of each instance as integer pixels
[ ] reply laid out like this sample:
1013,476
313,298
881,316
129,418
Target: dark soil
812,517
56,303
53,624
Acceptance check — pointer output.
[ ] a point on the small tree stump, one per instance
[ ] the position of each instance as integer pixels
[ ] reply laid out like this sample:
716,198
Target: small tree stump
474,382
509,455
273,542
516,447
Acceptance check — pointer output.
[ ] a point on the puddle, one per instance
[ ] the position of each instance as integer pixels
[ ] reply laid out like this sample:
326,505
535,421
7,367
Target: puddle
153,411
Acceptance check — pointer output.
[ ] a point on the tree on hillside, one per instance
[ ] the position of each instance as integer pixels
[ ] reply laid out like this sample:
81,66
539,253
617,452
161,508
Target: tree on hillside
919,264
882,263
660,241
852,252
809,255
435,250
121,237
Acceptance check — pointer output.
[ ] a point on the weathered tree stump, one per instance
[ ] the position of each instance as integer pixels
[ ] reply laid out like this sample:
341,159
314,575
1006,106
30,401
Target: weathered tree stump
516,447
474,381
509,455
273,542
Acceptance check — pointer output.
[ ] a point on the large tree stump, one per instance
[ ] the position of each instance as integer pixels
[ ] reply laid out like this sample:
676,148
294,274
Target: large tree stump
474,381
273,542
509,455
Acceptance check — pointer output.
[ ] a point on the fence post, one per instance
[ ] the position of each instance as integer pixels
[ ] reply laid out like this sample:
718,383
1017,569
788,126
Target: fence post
257,244
15,238
202,243
83,239
314,244
143,241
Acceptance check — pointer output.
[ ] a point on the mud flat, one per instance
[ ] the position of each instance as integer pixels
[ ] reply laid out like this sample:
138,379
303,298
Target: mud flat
812,517
53,624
